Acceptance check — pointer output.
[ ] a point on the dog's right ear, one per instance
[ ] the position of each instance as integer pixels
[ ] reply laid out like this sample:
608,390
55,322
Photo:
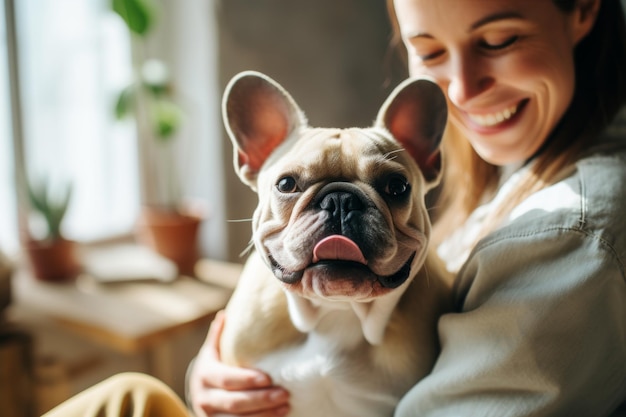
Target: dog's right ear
259,115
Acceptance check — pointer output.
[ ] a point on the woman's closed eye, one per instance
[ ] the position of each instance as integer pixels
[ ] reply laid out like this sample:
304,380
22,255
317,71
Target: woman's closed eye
498,43
424,47
431,55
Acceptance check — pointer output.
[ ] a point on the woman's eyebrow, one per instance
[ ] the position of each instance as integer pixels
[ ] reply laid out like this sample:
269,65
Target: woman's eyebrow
481,22
494,17
415,35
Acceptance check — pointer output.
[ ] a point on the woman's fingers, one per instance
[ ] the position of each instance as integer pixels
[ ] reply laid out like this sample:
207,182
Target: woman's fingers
264,402
217,374
217,389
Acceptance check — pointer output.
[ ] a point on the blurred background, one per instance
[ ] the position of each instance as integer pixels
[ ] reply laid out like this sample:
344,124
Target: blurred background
108,107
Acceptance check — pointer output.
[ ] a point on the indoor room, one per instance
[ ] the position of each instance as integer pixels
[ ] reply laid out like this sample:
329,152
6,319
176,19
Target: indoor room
312,208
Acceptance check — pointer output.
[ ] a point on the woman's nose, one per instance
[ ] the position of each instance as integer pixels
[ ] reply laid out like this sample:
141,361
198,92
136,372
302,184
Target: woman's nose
468,78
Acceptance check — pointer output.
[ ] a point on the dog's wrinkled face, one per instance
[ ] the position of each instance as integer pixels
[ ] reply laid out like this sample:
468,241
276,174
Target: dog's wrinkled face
341,212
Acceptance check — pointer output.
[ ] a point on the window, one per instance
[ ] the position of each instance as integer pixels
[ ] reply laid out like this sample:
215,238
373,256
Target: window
74,56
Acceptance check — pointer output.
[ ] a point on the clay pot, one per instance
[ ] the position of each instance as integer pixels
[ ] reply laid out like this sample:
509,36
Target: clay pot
53,260
171,234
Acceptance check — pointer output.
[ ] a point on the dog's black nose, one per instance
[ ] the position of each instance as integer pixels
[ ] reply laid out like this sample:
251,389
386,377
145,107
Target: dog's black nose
341,206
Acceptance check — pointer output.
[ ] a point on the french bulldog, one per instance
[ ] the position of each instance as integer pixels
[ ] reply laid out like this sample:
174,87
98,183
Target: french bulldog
339,300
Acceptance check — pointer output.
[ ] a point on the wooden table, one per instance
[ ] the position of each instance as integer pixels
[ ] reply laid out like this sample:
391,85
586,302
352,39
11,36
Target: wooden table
132,317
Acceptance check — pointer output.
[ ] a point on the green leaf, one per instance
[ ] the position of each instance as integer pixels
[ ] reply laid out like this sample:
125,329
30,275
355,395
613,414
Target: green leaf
167,118
52,209
37,194
57,212
138,14
124,106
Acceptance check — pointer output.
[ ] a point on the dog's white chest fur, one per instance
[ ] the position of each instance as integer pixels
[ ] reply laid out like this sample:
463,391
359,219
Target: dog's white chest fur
331,364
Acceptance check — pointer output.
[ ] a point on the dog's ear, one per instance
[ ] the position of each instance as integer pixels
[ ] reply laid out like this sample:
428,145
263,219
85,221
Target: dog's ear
258,115
415,113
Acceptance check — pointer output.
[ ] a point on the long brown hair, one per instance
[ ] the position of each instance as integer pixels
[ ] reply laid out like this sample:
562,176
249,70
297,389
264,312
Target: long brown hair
600,91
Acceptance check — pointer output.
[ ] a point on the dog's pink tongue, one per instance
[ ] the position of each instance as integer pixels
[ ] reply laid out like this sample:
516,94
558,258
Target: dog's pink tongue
337,247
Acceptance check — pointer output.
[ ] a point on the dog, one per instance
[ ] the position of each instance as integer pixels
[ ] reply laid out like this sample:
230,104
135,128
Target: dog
339,301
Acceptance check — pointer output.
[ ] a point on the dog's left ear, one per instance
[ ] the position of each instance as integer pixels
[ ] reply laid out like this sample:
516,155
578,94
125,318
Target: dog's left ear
259,115
415,113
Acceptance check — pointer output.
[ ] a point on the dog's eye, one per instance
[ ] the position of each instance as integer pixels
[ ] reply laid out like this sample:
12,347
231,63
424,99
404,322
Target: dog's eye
397,186
287,185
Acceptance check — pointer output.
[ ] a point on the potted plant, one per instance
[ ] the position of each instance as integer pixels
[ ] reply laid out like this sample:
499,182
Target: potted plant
166,223
51,256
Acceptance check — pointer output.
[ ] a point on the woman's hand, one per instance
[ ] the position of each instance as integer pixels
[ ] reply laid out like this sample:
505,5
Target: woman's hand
219,389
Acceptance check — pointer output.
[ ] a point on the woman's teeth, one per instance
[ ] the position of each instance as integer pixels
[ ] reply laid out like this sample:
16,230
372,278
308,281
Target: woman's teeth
492,119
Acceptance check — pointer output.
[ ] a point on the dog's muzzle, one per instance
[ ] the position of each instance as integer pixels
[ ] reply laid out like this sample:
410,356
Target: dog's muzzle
353,232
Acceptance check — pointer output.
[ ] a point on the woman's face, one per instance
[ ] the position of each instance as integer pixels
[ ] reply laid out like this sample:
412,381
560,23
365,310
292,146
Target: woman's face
506,66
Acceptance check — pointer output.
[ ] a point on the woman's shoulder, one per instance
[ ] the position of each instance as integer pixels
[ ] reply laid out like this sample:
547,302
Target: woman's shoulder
566,236
590,201
592,195
602,180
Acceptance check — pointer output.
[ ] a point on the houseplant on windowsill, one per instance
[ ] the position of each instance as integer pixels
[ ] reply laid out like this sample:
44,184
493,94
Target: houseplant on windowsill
166,223
51,256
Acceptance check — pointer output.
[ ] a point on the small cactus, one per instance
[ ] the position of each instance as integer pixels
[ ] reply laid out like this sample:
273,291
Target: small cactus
51,206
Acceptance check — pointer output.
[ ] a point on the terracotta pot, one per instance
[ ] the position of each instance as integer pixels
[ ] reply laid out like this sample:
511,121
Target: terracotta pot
53,260
172,234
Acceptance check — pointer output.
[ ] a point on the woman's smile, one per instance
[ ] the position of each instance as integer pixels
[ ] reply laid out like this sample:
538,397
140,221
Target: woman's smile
495,119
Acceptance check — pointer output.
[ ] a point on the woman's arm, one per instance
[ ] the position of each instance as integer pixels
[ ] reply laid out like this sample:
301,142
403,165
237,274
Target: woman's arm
541,332
218,389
